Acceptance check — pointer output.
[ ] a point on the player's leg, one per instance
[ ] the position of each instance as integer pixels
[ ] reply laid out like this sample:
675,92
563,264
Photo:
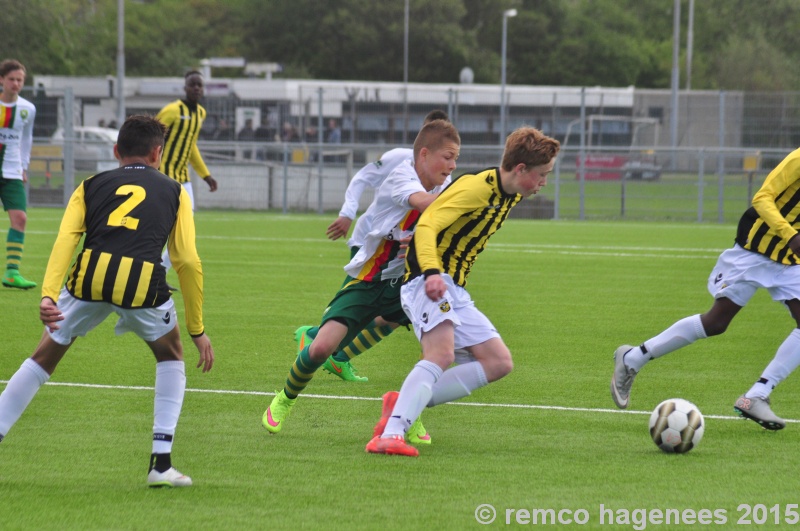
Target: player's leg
733,282
170,387
158,328
79,318
340,363
14,200
755,403
28,379
308,360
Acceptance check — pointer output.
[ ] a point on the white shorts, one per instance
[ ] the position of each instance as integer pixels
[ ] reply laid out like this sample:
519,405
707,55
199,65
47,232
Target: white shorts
739,273
471,326
80,317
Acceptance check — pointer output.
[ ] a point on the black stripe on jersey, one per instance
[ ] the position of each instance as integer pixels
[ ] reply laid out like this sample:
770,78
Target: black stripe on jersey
179,143
139,274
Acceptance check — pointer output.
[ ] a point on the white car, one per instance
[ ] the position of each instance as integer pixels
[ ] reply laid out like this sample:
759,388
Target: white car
93,147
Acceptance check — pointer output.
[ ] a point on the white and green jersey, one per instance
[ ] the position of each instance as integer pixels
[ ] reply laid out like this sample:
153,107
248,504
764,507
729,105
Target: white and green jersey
392,219
16,137
372,175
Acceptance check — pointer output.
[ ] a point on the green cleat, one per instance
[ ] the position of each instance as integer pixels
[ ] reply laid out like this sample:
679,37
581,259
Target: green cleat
277,412
343,370
301,337
12,279
417,434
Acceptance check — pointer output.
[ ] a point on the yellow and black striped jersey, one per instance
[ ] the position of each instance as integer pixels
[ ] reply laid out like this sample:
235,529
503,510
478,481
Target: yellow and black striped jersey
774,218
184,122
454,229
127,215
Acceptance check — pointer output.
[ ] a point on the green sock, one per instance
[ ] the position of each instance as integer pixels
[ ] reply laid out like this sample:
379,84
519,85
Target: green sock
365,340
300,374
14,245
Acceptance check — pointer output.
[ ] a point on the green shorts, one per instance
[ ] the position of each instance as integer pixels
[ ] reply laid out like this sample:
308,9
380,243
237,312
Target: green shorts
358,302
12,194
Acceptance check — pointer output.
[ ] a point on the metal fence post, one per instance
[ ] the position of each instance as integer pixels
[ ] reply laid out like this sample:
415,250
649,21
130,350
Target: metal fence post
69,144
582,158
285,199
700,184
721,160
320,164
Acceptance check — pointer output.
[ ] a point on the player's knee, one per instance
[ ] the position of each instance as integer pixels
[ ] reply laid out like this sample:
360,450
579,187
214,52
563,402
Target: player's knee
715,327
320,350
503,366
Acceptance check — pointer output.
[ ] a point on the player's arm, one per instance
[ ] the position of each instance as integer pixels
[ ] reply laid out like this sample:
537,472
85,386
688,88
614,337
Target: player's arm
781,178
371,175
186,261
73,226
442,213
26,144
168,115
196,160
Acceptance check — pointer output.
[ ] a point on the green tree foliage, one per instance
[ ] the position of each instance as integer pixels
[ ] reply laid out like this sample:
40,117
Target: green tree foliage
738,44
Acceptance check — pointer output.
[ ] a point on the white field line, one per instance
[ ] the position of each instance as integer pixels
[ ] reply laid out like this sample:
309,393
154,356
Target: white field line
371,399
681,253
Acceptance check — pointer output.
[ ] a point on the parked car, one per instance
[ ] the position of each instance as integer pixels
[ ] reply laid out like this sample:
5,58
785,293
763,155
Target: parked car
93,147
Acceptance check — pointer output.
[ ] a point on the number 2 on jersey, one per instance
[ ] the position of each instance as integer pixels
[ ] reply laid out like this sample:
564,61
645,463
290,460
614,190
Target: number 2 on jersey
119,217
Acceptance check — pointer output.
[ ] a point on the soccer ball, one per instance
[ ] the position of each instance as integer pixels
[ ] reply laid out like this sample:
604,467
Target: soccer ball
676,425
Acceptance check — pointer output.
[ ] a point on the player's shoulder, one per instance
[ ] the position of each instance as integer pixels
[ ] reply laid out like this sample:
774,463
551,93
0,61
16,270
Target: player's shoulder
486,176
397,155
403,172
170,107
24,103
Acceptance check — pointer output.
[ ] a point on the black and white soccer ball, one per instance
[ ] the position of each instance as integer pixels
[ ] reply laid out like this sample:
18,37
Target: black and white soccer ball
676,425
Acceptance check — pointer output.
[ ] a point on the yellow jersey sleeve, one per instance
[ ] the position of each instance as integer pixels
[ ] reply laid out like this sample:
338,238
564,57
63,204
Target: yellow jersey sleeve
73,226
196,160
784,176
186,261
459,199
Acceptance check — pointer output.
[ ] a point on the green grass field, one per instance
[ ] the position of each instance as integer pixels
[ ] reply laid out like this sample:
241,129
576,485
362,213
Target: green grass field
563,295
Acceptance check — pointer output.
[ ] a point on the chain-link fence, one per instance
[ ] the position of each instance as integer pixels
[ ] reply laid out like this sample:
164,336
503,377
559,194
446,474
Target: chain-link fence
276,151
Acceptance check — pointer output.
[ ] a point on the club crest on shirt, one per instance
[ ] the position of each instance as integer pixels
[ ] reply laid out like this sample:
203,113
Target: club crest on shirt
444,307
24,114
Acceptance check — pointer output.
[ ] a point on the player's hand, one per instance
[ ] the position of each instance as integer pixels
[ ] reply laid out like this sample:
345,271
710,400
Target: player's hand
50,314
404,246
24,176
435,287
212,183
339,228
203,344
794,244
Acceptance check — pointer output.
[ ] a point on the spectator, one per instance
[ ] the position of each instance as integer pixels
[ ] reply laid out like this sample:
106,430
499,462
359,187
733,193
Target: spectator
247,134
334,132
289,133
223,131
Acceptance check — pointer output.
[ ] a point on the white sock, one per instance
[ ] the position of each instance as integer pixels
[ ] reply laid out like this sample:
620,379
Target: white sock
414,396
786,359
458,382
684,332
170,387
19,392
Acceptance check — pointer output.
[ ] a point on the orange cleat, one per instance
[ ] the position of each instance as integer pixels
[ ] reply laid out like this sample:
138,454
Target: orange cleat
389,400
394,445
